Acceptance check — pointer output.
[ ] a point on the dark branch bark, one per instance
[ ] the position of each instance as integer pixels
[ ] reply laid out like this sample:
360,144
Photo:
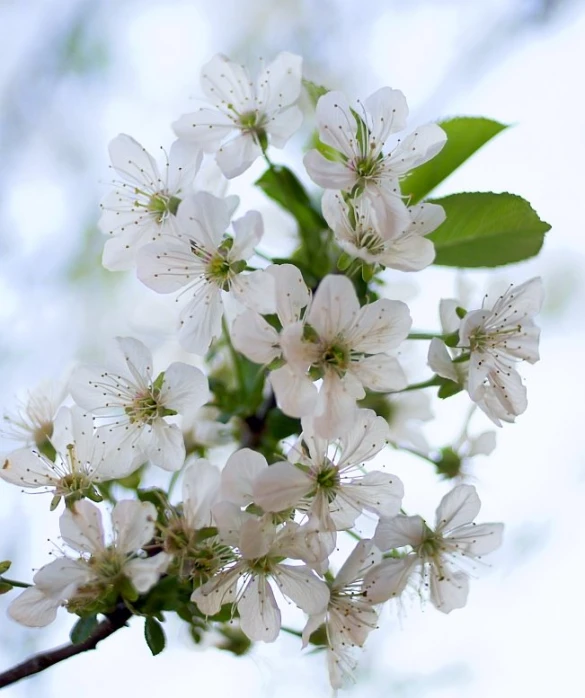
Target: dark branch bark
39,662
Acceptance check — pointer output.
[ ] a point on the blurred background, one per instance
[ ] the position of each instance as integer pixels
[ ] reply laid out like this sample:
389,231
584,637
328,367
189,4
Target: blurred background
75,73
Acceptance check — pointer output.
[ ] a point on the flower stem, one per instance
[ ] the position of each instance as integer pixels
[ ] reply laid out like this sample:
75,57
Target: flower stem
431,383
291,631
353,534
424,335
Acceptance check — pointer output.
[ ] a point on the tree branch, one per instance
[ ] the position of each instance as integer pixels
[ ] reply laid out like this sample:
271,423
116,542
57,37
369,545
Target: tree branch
39,662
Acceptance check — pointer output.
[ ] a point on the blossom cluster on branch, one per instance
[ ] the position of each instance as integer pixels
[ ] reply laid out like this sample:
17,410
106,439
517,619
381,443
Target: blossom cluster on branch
301,374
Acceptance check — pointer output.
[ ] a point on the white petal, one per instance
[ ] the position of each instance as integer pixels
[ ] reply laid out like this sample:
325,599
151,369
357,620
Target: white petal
205,127
300,584
388,112
62,576
248,232
133,162
483,444
27,469
184,162
133,523
337,125
335,409
255,338
477,540
255,290
361,558
137,357
417,148
240,472
144,573
219,590
166,447
201,483
409,253
459,506
167,266
379,372
292,294
201,320
440,361
256,538
184,387
230,519
295,393
328,174
226,82
259,612
204,218
33,608
282,125
380,326
398,532
81,527
279,83
388,579
367,436
448,590
377,492
335,307
235,156
280,487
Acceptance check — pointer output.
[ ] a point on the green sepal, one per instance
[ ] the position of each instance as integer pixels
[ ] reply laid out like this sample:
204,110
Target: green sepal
159,381
5,587
154,636
344,261
449,464
127,590
55,502
5,566
448,389
314,91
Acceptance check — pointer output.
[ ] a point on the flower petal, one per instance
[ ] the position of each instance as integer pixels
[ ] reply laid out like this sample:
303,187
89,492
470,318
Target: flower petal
458,507
239,474
81,527
133,523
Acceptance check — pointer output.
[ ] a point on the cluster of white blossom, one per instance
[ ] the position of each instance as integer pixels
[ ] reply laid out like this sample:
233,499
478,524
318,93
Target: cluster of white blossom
252,527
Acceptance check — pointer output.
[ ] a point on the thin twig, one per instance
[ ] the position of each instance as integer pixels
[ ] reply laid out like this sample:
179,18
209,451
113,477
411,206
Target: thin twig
39,662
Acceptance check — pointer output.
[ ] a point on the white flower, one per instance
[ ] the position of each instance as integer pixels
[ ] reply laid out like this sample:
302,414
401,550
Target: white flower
344,345
326,479
359,134
32,423
81,459
497,338
245,117
202,428
204,261
101,567
360,228
144,202
440,559
135,405
246,582
349,617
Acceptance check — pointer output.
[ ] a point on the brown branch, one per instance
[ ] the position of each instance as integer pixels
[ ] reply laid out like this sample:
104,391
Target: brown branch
39,662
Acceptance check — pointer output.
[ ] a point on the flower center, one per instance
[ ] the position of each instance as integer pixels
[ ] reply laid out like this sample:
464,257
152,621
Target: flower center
161,205
146,407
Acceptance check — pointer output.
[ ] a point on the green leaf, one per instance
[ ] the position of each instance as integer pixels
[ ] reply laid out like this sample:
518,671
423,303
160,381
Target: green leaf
154,636
465,135
281,185
83,629
5,566
483,229
5,587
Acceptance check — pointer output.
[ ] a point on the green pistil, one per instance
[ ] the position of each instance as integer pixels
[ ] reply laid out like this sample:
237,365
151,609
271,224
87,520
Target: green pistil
145,409
161,206
327,480
336,356
366,167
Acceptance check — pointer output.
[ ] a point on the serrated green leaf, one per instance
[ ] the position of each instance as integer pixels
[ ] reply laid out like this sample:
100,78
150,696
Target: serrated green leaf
465,136
154,636
483,229
83,629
